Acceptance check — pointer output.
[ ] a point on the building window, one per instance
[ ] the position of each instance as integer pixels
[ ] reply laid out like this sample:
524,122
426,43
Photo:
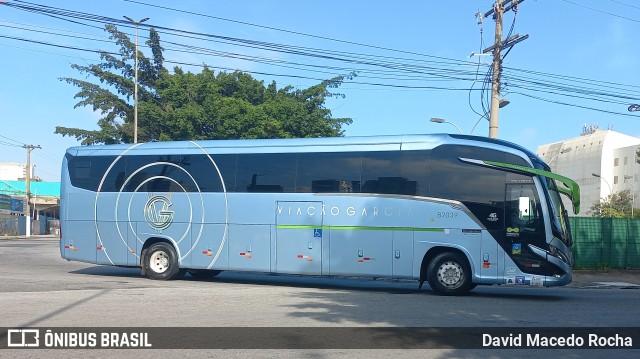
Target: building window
626,161
615,179
615,161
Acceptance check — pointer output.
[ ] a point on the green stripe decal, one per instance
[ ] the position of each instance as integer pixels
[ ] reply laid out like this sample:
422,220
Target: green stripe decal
359,228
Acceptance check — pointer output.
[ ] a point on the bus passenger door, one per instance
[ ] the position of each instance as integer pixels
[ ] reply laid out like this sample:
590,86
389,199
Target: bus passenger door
299,237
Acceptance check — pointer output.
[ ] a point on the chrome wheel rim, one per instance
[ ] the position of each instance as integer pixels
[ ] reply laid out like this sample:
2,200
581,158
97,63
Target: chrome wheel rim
159,262
450,274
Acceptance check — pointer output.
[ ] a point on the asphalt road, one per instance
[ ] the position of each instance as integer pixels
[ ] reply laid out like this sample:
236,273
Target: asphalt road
38,288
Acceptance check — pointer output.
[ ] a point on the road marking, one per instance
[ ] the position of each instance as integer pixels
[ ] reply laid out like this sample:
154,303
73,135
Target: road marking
618,284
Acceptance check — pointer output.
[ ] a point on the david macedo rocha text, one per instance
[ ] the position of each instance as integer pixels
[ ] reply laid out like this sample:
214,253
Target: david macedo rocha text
541,341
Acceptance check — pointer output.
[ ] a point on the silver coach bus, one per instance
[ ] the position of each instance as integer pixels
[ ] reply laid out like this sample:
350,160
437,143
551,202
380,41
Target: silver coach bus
455,211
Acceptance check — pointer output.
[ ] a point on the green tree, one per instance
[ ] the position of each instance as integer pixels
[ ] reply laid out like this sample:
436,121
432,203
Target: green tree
184,105
616,205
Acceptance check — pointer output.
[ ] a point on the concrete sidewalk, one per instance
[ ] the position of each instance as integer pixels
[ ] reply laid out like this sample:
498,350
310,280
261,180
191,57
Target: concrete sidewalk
619,278
34,236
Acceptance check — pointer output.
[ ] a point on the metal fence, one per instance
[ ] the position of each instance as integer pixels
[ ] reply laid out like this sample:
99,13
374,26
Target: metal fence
12,226
16,226
602,243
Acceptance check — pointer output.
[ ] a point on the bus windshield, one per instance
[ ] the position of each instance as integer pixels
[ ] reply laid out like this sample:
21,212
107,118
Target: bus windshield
559,219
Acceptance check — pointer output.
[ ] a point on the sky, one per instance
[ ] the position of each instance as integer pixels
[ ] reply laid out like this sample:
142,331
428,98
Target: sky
580,64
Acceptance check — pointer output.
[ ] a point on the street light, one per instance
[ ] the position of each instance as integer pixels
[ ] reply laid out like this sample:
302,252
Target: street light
633,195
440,120
135,91
562,152
610,191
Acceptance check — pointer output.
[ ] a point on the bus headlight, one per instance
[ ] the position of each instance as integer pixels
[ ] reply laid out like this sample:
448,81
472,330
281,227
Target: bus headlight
558,254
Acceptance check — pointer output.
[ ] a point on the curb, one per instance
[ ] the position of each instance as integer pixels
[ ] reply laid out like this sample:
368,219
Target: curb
621,278
36,236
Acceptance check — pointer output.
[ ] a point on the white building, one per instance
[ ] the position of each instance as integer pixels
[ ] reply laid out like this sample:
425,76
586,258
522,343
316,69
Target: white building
601,162
12,171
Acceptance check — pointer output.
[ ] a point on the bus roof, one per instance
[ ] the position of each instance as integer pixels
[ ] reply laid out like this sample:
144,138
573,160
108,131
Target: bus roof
328,144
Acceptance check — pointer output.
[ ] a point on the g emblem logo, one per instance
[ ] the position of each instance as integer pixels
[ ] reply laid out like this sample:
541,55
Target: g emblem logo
157,213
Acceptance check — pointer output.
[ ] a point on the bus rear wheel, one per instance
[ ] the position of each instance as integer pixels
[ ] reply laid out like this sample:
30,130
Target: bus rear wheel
449,274
160,262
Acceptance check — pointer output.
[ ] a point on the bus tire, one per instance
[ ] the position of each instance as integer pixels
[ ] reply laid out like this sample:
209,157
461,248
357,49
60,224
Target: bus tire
204,273
160,262
449,274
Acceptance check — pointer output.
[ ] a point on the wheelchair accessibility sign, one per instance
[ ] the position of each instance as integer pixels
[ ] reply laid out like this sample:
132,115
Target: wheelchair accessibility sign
317,233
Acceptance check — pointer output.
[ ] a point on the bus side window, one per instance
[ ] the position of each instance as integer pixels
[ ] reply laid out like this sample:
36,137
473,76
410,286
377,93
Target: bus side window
266,172
395,172
333,172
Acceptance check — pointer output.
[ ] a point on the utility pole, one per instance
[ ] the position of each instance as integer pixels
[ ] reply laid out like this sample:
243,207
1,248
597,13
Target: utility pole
497,65
28,186
499,8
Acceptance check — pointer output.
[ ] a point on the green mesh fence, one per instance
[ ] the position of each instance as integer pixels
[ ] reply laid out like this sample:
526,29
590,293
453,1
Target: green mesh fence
600,243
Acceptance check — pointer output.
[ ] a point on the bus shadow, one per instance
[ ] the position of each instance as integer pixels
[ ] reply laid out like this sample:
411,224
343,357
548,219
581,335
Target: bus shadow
299,281
377,307
109,271
355,284
376,285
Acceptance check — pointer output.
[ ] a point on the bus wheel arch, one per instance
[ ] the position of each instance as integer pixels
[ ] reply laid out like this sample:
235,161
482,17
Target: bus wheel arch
447,270
159,260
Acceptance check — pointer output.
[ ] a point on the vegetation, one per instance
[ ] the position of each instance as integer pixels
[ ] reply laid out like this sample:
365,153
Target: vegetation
194,106
616,205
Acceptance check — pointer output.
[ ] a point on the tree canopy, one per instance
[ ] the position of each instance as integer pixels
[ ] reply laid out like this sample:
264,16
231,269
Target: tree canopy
616,205
193,106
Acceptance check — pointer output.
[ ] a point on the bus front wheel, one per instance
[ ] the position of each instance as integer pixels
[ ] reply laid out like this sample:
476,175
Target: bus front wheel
449,274
160,262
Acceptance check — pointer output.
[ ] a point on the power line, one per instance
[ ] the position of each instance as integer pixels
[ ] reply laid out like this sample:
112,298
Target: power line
376,70
46,28
52,11
200,50
332,55
621,3
247,71
292,32
320,79
54,33
375,60
601,11
540,83
403,64
18,143
574,105
56,45
9,144
47,52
